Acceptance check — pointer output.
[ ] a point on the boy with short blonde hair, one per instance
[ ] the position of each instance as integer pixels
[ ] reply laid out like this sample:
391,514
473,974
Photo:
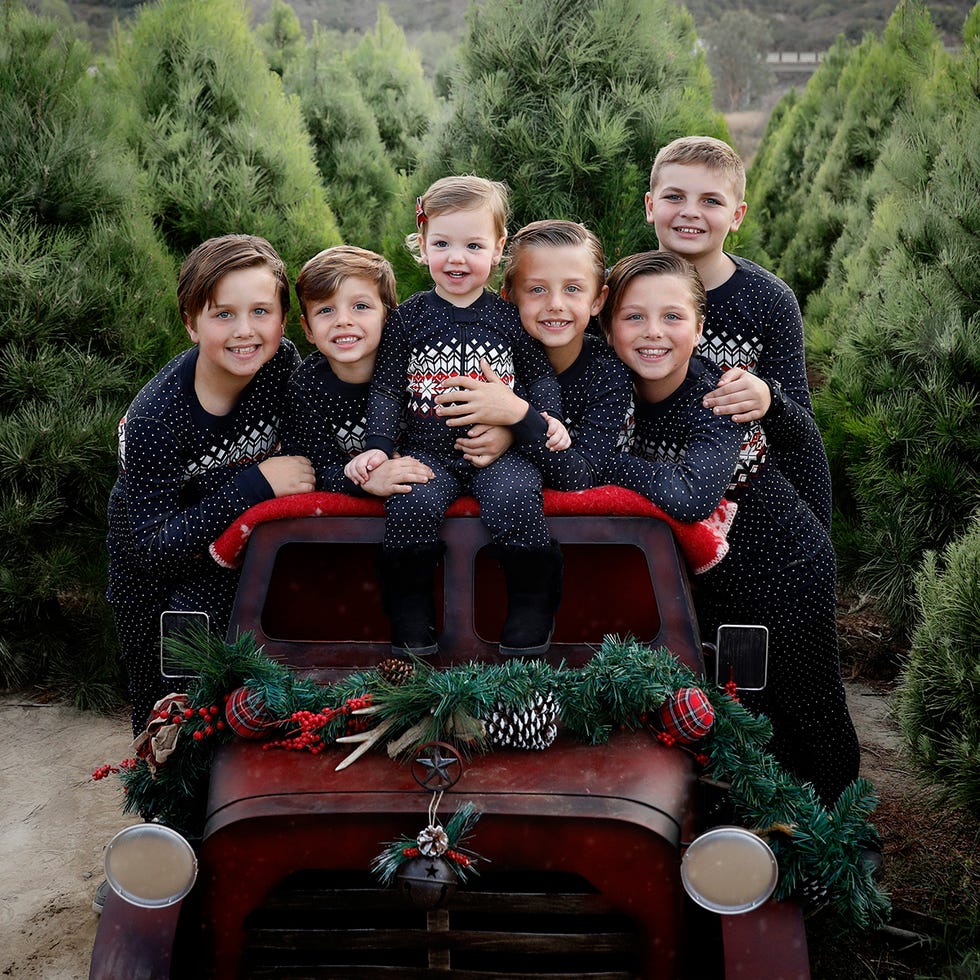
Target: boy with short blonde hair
754,328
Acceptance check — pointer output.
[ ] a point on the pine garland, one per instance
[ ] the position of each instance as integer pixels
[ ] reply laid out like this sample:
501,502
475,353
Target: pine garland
625,683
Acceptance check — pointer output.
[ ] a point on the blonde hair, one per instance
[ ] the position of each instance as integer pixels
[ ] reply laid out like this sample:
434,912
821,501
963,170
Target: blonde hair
554,234
463,193
712,153
323,275
657,263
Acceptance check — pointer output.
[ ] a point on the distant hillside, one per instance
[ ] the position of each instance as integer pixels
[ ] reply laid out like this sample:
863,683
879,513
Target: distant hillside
802,25
797,25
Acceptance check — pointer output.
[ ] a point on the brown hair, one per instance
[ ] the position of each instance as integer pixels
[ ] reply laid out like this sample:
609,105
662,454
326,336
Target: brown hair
463,193
659,263
323,275
713,153
554,234
204,267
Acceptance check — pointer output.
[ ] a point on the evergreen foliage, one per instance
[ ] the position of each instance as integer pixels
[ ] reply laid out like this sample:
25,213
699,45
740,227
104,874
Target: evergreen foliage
899,409
360,181
938,699
280,36
390,76
791,151
622,687
848,133
224,149
568,105
85,312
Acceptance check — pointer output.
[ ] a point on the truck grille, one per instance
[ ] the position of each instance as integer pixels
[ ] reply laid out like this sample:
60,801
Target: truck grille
332,924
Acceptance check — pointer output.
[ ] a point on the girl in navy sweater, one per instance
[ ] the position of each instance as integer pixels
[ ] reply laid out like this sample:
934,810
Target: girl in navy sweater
556,274
447,331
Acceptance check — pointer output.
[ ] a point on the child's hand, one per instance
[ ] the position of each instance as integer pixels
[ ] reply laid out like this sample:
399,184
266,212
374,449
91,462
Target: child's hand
558,437
485,444
288,474
358,470
397,475
739,394
473,400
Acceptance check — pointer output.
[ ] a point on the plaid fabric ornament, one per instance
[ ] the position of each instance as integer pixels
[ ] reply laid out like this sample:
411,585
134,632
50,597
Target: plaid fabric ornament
687,716
247,714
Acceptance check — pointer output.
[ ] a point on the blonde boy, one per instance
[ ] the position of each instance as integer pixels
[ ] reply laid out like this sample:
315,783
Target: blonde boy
753,328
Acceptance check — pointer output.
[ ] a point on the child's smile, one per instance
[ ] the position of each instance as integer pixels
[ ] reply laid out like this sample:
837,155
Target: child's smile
346,327
655,330
461,248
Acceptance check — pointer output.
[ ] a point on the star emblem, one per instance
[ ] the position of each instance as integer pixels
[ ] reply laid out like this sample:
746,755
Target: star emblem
432,765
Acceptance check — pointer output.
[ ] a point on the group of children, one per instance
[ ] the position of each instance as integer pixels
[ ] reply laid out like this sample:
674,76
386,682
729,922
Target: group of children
458,390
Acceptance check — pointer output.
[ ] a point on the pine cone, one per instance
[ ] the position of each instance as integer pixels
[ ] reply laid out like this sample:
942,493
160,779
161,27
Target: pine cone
813,894
396,672
534,727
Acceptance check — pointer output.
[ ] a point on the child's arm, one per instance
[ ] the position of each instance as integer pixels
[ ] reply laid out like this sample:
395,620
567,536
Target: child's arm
470,401
488,401
172,523
741,395
776,393
597,403
690,488
288,474
484,444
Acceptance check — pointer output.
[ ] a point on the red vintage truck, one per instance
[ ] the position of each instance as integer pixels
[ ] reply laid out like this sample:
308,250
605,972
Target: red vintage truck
583,843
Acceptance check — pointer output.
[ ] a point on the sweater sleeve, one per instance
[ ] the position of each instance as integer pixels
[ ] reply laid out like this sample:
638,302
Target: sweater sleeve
386,403
166,530
595,420
790,430
691,487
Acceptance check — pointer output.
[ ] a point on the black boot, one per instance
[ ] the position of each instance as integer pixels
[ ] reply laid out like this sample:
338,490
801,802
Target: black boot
533,578
407,587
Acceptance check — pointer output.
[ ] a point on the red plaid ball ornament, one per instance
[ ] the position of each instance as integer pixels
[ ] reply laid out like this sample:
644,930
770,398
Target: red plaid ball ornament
247,714
687,716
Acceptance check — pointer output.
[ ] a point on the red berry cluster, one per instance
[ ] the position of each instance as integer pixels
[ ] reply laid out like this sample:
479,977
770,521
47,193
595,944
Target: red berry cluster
310,735
666,738
209,722
103,771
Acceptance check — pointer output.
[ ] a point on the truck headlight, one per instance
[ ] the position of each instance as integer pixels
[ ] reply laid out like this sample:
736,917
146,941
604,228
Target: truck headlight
150,865
729,870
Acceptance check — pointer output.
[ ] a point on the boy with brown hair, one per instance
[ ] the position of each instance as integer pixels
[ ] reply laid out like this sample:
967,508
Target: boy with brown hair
345,294
198,447
754,328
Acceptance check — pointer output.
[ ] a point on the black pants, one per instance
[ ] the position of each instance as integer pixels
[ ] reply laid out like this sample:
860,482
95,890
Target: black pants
509,492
